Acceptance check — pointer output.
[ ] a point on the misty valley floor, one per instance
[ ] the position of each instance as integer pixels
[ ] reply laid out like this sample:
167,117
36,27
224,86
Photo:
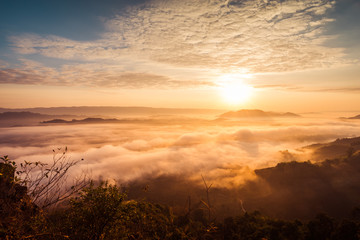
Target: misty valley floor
171,153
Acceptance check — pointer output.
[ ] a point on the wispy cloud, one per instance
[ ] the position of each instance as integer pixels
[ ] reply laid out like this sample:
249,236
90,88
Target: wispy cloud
91,74
262,36
287,87
256,36
277,86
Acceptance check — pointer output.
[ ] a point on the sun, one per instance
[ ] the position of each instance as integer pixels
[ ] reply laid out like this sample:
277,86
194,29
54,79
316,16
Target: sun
233,90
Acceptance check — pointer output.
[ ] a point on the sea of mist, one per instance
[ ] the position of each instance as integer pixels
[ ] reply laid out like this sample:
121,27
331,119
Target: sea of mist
175,154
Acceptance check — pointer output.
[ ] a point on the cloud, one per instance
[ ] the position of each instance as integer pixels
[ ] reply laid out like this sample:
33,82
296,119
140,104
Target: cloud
58,47
95,75
3,64
255,36
340,89
258,35
288,87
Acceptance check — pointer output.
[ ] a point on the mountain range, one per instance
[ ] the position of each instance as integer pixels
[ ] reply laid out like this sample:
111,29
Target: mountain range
255,113
95,111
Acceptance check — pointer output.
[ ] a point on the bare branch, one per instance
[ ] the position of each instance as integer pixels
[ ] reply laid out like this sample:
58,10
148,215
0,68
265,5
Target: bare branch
207,204
48,183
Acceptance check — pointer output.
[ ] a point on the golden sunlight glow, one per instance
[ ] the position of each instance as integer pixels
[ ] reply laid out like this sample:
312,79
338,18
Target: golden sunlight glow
233,90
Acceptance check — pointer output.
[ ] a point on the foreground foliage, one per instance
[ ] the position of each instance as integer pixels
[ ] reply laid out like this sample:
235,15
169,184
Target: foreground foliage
103,212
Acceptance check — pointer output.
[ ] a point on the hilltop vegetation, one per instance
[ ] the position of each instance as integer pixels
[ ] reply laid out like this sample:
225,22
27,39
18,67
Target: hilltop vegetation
103,212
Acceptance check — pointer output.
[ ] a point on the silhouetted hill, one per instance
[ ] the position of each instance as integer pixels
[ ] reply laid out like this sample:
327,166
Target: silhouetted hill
255,113
355,117
22,115
83,121
298,189
338,148
56,121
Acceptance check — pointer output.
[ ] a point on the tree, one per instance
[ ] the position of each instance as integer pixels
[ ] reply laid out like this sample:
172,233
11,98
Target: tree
92,214
320,228
48,184
19,217
103,213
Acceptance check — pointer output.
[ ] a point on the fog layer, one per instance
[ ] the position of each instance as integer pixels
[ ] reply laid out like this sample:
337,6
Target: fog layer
224,153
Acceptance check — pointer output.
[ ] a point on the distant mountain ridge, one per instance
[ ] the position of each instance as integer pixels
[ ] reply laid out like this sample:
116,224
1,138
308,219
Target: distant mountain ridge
113,111
256,113
27,115
25,118
86,120
355,117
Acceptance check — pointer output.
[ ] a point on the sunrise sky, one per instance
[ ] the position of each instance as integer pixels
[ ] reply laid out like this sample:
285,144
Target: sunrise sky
281,55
